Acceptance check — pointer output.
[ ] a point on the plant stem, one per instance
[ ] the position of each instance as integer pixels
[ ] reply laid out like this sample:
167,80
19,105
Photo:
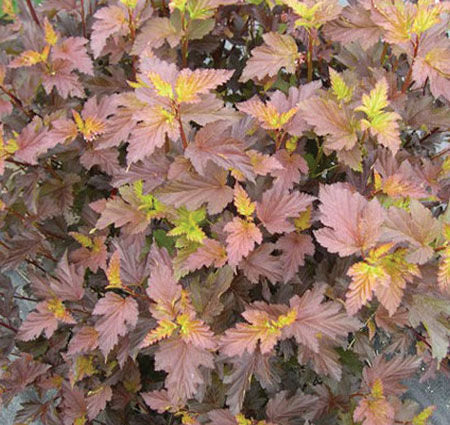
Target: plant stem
182,133
33,13
83,20
16,101
408,78
309,57
11,328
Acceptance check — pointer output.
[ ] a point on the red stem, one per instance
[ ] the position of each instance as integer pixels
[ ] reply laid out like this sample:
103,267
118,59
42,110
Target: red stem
182,133
408,78
33,13
11,328
83,20
309,57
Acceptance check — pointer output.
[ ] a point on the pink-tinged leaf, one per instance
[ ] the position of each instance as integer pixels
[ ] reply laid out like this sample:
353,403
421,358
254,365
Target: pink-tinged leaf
277,207
418,228
391,373
83,341
294,246
119,315
62,131
210,253
222,417
241,239
190,84
19,374
66,83
315,319
324,362
284,410
151,132
73,49
158,400
264,164
331,120
69,281
261,264
116,211
74,405
194,190
163,288
277,51
354,25
32,142
353,223
374,412
44,319
96,401
92,258
105,159
5,107
153,34
215,143
108,21
263,328
182,361
293,166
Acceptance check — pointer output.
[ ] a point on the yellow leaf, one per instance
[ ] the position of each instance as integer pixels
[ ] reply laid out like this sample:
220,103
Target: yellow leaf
242,201
83,240
56,306
113,272
303,221
162,87
29,58
340,89
50,35
130,4
428,15
84,366
377,390
81,420
242,420
8,8
423,416
164,329
374,102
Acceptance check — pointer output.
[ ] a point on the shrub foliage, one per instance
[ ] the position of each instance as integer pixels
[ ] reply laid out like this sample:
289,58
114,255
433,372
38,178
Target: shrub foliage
223,211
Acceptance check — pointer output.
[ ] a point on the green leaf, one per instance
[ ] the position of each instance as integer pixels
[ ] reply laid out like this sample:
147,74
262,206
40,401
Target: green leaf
187,224
163,240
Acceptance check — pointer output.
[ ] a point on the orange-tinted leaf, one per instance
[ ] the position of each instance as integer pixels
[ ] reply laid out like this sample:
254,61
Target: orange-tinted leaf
241,239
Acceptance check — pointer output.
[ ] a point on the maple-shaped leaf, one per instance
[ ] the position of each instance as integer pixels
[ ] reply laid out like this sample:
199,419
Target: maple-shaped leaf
97,399
182,361
194,190
381,124
118,316
381,272
108,21
313,14
45,319
374,409
32,142
354,24
74,405
73,49
215,143
268,114
314,319
120,213
190,84
433,63
266,323
391,373
276,52
353,223
113,271
277,207
331,120
324,362
242,201
210,253
153,34
264,164
93,256
60,77
418,228
294,246
241,239
187,224
433,313
83,341
158,400
20,373
260,263
293,165
284,410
